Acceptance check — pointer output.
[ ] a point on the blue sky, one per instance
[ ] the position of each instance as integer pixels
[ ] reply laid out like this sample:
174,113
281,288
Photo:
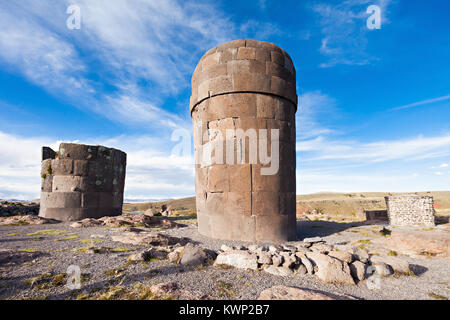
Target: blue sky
374,104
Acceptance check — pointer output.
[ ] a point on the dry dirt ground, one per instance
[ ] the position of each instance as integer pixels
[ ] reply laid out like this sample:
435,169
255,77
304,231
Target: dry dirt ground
53,251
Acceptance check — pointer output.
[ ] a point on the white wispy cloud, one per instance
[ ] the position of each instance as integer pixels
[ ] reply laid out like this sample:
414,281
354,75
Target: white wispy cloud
344,32
143,52
417,148
260,30
315,111
42,56
421,103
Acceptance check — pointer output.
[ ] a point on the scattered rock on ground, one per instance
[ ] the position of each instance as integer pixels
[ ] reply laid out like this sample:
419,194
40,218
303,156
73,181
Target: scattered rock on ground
313,240
331,270
308,265
397,264
193,255
149,254
321,247
264,258
237,258
132,220
278,271
148,239
358,270
25,220
382,269
341,255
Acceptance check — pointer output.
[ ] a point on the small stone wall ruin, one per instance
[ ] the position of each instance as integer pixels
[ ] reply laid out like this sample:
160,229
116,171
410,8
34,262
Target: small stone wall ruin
81,181
410,210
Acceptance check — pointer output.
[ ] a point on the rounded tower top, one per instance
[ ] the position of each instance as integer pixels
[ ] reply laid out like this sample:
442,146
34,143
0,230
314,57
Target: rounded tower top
244,66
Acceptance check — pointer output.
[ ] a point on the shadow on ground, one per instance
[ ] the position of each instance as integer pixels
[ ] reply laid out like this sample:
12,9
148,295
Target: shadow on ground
309,229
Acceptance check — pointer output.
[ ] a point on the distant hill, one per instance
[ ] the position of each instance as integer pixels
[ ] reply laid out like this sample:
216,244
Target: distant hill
326,202
350,203
176,204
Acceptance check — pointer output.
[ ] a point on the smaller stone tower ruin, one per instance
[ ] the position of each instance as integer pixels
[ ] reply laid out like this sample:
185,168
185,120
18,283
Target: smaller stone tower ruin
81,181
410,210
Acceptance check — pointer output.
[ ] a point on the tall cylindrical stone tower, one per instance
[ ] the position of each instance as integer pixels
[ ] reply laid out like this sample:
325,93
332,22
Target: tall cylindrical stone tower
81,181
243,108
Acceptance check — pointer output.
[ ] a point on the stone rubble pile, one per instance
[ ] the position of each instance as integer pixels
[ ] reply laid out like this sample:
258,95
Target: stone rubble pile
166,211
130,220
338,264
25,220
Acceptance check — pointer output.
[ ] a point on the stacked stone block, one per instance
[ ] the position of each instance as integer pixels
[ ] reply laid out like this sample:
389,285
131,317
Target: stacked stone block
246,84
410,210
81,181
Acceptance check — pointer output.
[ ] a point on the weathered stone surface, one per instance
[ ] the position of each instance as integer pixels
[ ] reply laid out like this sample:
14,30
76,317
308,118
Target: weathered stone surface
308,265
301,270
382,269
86,223
248,88
23,220
358,270
301,251
138,220
289,261
357,253
341,255
238,259
148,238
313,240
277,260
224,247
331,270
193,255
292,293
174,256
148,254
321,247
264,258
397,264
279,271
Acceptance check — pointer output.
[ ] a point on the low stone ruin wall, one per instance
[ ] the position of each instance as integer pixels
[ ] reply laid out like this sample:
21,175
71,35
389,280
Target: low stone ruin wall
410,210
